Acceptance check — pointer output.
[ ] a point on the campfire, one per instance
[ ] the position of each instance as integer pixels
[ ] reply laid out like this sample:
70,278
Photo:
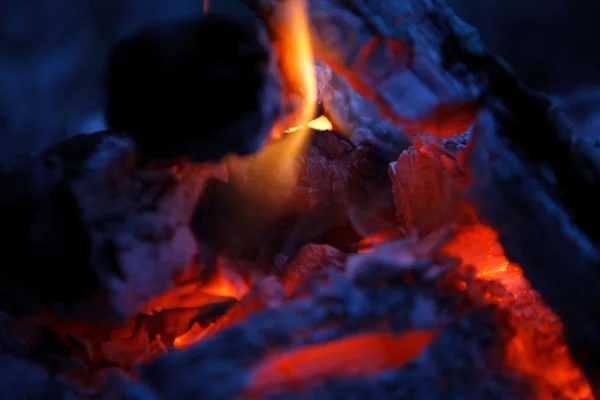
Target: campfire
415,224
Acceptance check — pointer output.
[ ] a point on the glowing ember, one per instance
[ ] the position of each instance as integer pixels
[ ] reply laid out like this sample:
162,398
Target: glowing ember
367,244
351,357
478,246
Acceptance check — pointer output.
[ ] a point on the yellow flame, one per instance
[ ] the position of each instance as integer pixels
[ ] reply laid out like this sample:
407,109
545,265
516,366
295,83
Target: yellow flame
279,160
296,54
321,123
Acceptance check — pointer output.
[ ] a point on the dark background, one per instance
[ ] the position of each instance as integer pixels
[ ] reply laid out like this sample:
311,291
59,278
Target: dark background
53,54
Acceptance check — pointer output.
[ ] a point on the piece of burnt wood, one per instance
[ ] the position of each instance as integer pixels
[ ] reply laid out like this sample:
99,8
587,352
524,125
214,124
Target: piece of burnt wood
399,291
22,380
311,258
357,117
519,198
428,185
201,87
539,187
392,53
93,234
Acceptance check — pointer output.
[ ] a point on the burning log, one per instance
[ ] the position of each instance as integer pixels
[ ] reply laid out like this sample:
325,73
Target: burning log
439,314
376,300
357,117
427,71
395,54
311,259
201,88
95,235
527,197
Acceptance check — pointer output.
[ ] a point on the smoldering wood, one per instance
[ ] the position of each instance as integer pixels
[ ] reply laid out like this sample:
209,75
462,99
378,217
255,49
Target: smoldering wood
200,87
513,185
433,74
540,233
373,297
95,235
428,185
335,176
357,117
395,55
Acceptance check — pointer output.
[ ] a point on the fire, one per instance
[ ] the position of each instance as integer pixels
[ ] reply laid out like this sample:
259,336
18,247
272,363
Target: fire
477,245
321,123
278,160
297,56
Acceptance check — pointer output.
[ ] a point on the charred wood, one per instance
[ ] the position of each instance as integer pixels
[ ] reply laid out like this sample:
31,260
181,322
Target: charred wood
428,185
200,88
95,235
427,71
394,54
374,296
541,234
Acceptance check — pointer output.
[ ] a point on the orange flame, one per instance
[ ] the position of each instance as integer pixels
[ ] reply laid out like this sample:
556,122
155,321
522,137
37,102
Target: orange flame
321,123
278,160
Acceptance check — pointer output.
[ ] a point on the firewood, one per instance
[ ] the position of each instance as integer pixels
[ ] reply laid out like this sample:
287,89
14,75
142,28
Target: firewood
357,117
395,55
520,199
94,235
427,71
200,87
343,306
428,185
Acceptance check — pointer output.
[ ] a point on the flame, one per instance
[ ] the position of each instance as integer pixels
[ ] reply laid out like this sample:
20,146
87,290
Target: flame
355,356
278,160
297,56
321,123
